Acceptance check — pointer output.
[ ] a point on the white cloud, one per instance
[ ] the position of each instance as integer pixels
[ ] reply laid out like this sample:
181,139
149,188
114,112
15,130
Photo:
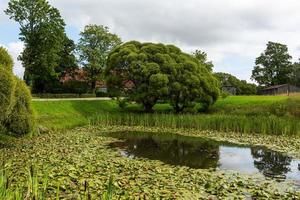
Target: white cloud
15,49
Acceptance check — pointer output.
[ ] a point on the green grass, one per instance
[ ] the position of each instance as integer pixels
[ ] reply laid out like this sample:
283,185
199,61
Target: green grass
69,114
278,115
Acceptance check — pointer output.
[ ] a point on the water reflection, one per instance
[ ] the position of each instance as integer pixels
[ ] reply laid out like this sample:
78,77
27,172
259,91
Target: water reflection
203,153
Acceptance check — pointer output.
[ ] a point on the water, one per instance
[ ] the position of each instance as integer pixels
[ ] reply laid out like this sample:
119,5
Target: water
202,153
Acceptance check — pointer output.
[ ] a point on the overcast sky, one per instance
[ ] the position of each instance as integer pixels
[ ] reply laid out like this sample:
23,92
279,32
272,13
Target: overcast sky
232,32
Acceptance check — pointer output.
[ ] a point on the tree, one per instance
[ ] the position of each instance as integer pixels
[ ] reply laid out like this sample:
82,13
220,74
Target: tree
241,86
42,31
273,67
159,72
67,61
201,56
296,74
95,44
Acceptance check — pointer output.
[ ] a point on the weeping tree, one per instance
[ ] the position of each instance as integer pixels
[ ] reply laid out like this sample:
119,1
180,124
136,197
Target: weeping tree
148,72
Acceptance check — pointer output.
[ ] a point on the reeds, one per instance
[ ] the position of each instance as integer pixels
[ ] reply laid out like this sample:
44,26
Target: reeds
271,125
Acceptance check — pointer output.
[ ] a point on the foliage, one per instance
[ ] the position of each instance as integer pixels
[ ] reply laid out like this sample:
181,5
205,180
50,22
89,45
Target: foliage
7,98
95,44
100,93
41,55
67,58
241,86
201,56
159,72
296,74
223,123
273,66
76,87
21,119
5,59
15,102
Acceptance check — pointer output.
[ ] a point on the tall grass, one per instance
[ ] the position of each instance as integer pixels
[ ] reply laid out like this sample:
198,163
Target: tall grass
224,123
36,188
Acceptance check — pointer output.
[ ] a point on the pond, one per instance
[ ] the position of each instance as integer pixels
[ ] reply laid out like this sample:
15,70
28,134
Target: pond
203,153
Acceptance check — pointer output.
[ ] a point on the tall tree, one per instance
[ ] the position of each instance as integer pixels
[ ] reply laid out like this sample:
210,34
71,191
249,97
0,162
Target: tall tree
274,66
201,56
42,31
67,61
296,74
95,44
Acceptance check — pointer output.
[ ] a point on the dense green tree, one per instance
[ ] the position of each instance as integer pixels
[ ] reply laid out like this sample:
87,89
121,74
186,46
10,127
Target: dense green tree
274,66
42,31
95,44
156,72
241,86
67,58
296,74
202,58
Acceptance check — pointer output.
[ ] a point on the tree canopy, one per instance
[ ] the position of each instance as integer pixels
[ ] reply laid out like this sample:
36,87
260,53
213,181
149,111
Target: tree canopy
273,66
148,72
241,86
202,58
95,44
42,31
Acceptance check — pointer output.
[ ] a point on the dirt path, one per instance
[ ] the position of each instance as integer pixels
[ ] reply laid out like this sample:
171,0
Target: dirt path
74,99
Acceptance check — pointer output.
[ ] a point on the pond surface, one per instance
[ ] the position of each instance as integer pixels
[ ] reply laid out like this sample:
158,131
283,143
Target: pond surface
202,153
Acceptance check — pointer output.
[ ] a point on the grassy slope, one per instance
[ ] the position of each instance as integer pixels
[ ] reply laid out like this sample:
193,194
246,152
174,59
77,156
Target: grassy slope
68,114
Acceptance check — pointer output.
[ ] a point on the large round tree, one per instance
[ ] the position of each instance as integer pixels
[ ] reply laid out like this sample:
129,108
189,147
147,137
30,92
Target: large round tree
148,72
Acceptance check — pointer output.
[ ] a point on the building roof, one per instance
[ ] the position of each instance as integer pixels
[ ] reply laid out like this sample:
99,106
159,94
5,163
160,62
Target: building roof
275,87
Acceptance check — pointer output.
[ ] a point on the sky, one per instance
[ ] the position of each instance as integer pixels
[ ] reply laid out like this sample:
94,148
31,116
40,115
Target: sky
232,32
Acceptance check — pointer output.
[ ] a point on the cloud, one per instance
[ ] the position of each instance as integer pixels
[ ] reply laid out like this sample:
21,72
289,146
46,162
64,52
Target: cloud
227,29
232,32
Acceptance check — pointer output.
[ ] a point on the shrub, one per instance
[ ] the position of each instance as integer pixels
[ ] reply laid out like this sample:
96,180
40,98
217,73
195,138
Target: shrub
15,99
100,93
77,87
21,119
7,87
5,60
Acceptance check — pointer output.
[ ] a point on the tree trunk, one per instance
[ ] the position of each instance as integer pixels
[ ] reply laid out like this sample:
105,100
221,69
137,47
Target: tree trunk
148,108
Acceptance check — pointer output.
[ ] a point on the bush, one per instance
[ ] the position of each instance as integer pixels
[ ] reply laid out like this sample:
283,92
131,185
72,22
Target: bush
100,93
6,61
15,100
7,87
77,87
21,119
